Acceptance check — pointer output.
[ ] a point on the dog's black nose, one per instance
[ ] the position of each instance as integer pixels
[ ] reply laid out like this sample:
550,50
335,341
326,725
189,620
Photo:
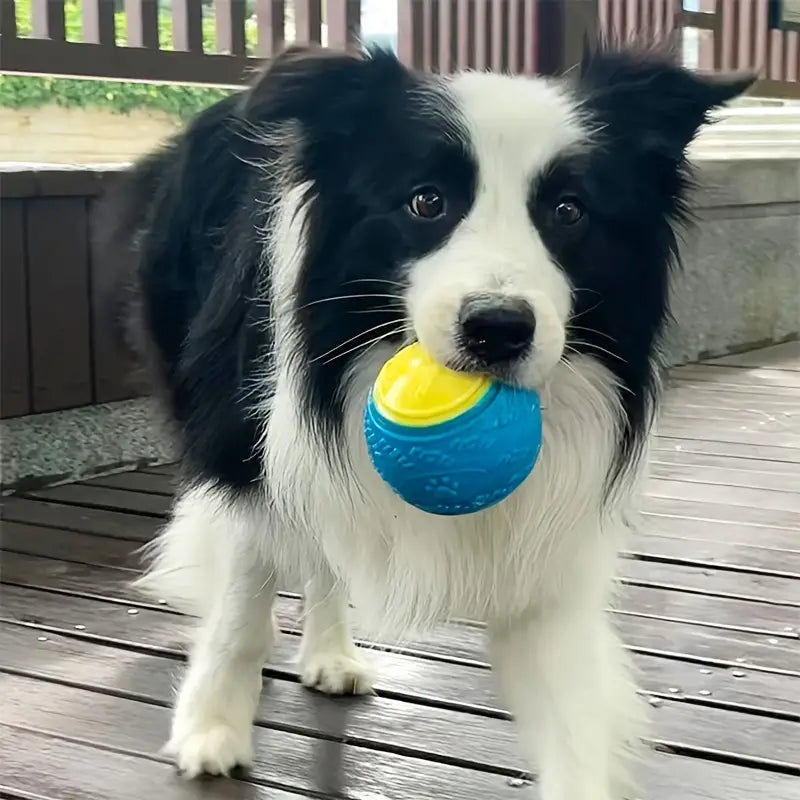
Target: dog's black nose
497,329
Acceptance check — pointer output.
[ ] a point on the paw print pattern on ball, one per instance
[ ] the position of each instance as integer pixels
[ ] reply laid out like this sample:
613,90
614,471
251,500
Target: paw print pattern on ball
458,462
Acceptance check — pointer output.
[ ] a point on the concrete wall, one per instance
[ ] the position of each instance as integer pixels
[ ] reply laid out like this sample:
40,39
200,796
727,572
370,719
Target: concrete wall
740,288
56,135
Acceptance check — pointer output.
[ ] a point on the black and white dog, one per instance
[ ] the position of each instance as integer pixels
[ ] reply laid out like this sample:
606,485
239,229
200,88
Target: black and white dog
298,234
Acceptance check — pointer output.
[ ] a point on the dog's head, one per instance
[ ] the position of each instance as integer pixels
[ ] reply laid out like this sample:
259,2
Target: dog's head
504,222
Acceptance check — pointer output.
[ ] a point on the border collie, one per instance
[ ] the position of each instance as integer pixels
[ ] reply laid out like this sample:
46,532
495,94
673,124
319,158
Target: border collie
292,239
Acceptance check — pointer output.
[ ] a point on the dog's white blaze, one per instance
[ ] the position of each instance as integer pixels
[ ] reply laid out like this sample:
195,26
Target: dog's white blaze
515,128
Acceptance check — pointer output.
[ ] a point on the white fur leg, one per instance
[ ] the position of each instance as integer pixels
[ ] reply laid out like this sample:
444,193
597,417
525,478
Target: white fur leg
329,660
212,721
578,715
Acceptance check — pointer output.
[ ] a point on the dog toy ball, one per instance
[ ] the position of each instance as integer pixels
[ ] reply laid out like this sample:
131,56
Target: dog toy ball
447,442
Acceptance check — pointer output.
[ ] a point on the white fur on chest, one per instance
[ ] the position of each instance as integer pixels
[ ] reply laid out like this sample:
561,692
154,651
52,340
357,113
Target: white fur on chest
406,568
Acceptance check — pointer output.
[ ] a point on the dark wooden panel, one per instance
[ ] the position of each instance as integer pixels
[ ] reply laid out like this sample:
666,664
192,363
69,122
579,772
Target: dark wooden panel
58,270
113,369
15,396
77,518
40,767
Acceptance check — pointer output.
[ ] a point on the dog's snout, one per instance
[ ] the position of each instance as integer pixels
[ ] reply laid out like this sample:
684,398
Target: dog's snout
497,329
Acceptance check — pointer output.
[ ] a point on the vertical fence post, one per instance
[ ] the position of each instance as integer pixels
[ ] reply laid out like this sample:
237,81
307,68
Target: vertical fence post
97,17
270,20
564,27
187,26
308,21
410,17
229,20
141,23
47,19
344,24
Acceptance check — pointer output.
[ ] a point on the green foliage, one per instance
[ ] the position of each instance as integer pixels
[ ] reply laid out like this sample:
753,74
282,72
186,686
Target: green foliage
18,91
22,91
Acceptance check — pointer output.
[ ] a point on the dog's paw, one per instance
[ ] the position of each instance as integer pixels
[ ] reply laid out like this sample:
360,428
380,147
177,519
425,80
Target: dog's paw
336,673
211,749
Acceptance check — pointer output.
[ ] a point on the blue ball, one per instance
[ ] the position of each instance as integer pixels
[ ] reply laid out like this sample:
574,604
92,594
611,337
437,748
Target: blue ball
466,464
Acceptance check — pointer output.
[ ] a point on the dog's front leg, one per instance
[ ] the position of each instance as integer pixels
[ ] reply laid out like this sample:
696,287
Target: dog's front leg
564,675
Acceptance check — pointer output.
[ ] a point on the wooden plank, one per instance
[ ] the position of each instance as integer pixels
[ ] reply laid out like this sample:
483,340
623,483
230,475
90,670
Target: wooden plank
691,444
47,19
285,757
42,767
691,641
757,588
468,687
58,272
229,18
108,499
760,376
781,437
136,481
779,356
15,395
98,22
721,471
720,512
379,723
141,23
86,520
187,26
660,521
308,21
65,545
270,19
723,554
655,599
788,501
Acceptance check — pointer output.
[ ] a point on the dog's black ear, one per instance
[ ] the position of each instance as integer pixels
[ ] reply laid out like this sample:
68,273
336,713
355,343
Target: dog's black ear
324,90
646,98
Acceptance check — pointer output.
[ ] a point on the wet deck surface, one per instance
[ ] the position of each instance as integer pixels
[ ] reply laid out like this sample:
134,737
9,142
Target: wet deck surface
710,607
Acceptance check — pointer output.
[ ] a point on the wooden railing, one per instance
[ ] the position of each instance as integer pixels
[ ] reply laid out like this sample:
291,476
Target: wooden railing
519,36
731,35
183,59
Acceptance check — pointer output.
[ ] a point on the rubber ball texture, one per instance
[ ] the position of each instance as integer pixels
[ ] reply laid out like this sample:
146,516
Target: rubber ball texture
466,464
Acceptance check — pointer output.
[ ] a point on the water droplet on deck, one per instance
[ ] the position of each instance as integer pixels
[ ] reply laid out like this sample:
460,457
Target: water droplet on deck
788,629
80,627
656,702
740,660
133,611
674,690
41,638
162,602
737,673
772,641
517,782
705,672
704,693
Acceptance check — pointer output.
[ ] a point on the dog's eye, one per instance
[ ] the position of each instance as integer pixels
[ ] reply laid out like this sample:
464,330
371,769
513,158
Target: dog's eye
426,203
568,211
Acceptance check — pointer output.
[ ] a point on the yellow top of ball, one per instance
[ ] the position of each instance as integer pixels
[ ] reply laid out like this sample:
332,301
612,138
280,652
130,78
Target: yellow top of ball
414,389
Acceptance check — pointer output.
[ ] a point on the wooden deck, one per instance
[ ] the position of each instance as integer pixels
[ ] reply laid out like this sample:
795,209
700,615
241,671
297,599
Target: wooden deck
710,607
